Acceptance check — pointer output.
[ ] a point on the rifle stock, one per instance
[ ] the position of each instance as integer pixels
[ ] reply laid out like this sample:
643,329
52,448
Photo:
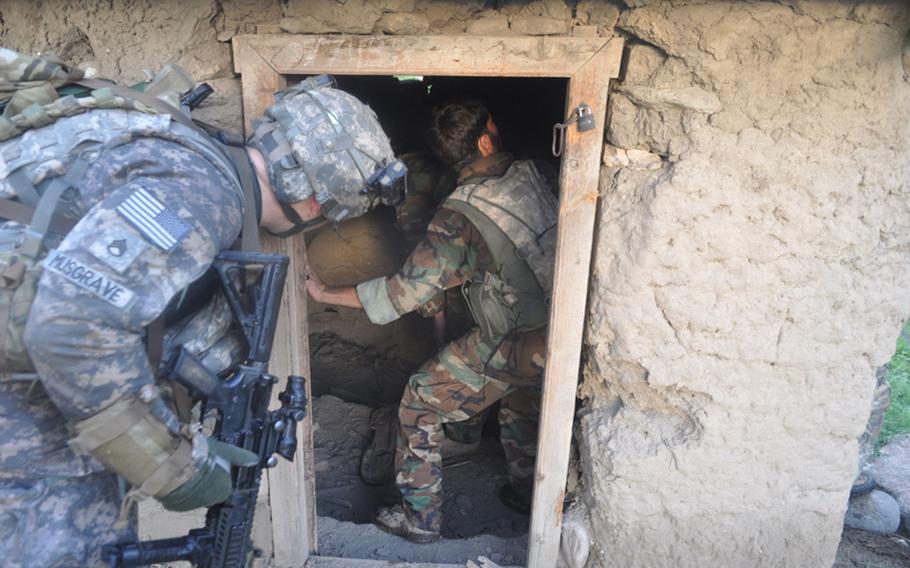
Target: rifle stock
240,403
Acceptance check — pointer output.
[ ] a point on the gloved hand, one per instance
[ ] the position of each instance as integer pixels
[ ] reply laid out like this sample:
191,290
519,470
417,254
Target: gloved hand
212,483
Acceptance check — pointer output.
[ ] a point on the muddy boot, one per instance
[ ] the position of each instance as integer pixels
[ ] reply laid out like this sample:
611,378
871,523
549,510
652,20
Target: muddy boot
377,466
457,453
461,440
515,498
394,520
467,431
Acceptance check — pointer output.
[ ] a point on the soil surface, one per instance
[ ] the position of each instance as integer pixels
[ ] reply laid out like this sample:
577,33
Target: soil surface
474,521
861,549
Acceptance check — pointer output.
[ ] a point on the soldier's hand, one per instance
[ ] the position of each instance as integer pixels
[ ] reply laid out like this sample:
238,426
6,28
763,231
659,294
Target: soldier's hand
314,285
333,295
212,483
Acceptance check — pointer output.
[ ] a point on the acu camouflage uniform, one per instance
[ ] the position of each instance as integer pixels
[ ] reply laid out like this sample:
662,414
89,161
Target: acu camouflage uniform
86,344
470,373
156,199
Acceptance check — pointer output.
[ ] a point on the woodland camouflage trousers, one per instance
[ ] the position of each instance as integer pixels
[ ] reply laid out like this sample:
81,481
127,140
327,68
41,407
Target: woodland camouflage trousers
465,378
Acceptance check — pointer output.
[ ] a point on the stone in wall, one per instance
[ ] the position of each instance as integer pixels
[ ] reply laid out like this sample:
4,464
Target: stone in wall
403,23
599,15
223,108
490,24
245,16
539,25
745,290
351,17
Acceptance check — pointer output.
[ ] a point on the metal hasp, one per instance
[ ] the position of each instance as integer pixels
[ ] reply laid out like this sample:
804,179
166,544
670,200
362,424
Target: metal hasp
238,399
583,116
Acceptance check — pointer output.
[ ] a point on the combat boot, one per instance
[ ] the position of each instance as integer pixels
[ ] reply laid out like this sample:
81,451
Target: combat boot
516,498
394,520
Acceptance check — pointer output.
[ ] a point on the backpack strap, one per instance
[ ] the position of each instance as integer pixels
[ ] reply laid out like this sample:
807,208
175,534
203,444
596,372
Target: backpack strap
43,212
22,214
25,190
249,235
236,155
150,101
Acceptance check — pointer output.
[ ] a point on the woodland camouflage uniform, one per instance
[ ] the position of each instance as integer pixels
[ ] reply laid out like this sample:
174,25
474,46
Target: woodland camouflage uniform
470,373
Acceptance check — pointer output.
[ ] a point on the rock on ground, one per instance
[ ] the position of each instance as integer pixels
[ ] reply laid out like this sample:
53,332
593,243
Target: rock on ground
891,470
874,512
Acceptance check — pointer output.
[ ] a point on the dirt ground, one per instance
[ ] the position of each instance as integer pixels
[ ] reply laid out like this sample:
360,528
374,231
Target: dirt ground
861,549
474,521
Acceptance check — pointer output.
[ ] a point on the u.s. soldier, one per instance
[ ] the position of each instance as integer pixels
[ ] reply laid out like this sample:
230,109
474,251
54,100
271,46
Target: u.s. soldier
153,200
494,236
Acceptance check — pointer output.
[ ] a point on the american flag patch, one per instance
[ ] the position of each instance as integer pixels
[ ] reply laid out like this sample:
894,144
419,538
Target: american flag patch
161,226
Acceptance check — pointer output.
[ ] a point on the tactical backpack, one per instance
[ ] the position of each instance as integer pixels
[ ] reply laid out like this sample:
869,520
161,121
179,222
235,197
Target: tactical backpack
516,215
50,156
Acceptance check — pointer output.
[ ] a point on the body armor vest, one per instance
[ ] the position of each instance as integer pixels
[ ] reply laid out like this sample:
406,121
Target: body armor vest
516,215
40,168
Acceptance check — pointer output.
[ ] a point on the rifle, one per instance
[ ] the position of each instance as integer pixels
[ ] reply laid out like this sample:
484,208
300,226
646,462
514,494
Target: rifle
240,403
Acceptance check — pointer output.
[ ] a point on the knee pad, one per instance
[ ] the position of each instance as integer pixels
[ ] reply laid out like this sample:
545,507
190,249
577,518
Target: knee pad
130,440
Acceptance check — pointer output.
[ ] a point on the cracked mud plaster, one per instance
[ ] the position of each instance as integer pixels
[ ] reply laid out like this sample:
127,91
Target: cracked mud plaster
745,290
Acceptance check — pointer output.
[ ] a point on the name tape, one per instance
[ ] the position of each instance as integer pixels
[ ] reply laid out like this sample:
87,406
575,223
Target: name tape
90,279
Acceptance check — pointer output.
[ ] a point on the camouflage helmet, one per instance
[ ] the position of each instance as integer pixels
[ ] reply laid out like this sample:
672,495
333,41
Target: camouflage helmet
319,141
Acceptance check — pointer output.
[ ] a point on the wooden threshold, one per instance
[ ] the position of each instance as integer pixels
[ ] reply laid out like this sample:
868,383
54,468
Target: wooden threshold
330,562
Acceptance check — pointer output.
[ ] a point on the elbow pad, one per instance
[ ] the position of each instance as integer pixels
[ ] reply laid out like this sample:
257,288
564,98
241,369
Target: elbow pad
130,440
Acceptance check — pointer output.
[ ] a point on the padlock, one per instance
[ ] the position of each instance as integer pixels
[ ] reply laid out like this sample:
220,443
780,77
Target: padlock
585,118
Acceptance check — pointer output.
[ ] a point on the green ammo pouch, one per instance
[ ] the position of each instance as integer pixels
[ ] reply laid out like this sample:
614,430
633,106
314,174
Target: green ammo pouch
494,306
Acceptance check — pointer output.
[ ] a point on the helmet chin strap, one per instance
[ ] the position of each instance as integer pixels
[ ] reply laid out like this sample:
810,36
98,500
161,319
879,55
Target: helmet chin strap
299,224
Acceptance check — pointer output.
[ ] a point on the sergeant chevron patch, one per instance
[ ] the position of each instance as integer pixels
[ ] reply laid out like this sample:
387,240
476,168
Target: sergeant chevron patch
161,226
118,247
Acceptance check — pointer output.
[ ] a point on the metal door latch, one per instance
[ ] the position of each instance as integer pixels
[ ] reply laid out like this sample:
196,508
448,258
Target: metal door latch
583,115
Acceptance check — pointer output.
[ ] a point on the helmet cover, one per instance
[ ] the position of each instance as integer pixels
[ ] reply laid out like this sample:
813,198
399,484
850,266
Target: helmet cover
322,142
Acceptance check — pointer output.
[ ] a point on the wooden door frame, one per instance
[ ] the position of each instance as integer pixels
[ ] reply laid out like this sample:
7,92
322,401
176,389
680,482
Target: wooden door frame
264,61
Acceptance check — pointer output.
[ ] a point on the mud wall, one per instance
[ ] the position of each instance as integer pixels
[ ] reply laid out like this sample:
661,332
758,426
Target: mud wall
748,278
752,239
120,38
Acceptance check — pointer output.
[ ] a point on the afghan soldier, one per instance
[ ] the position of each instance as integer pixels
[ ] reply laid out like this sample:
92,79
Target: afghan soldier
153,199
494,236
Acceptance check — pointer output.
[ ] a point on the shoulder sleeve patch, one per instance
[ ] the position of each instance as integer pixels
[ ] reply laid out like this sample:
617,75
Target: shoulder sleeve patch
158,224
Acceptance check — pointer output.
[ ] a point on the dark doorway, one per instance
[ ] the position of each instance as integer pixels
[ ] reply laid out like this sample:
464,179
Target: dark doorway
358,367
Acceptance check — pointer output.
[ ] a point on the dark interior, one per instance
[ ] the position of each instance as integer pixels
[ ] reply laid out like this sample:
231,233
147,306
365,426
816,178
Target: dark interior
525,111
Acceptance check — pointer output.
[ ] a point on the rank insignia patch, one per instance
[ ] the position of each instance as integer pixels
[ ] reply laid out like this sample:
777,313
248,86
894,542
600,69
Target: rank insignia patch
118,248
161,226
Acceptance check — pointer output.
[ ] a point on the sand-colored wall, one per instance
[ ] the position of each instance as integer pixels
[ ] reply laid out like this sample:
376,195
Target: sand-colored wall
746,285
752,241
